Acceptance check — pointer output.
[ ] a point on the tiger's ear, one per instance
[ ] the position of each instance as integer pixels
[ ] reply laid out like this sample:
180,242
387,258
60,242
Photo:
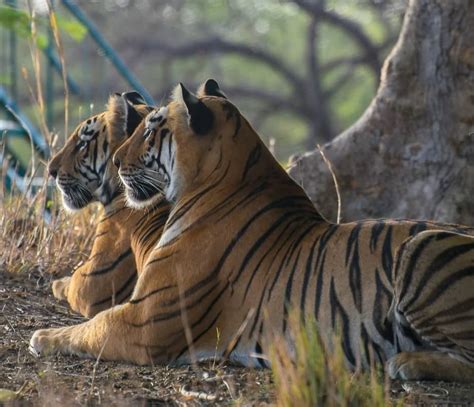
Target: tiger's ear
122,117
134,98
201,117
210,88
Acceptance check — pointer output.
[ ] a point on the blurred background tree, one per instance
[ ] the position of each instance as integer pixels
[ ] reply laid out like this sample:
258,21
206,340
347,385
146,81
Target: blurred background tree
301,70
411,154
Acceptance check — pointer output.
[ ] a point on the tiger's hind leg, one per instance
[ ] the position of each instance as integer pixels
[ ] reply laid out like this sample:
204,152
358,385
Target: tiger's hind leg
429,366
433,308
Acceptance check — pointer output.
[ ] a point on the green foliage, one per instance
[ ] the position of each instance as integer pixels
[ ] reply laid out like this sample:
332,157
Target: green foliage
15,19
19,21
73,28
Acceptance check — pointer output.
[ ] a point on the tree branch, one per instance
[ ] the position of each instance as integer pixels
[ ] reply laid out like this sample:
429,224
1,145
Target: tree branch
347,25
320,120
215,44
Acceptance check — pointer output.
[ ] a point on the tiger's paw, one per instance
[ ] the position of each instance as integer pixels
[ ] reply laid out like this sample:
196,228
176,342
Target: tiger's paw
43,342
61,287
50,341
410,366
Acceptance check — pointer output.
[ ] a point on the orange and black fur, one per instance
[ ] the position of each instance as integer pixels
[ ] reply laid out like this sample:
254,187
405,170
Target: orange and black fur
243,245
84,172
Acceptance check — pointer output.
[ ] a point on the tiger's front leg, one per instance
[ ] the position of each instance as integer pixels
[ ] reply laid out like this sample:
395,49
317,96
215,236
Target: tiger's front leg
107,335
98,284
149,328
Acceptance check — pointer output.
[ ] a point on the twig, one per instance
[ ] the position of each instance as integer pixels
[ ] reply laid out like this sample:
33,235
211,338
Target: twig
96,364
59,45
237,335
196,394
13,329
328,163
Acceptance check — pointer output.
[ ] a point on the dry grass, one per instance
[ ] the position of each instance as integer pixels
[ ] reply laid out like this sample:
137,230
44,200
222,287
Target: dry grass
35,234
312,376
30,243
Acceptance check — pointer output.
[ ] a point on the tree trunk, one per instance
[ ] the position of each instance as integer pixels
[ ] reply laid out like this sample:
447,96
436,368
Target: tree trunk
411,154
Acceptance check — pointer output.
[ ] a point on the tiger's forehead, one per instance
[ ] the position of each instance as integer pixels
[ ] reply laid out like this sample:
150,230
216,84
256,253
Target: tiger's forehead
156,117
91,127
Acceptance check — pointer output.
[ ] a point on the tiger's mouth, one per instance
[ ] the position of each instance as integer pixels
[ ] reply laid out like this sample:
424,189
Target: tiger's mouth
74,195
140,190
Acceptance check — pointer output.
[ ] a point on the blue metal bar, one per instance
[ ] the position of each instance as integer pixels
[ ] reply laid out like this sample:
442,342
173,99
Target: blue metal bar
107,49
13,132
50,85
15,112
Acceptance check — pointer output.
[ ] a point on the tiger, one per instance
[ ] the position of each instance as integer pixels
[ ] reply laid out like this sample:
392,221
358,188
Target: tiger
84,172
244,245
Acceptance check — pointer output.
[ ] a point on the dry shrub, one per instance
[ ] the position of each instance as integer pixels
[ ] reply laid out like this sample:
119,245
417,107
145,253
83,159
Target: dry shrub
310,375
36,234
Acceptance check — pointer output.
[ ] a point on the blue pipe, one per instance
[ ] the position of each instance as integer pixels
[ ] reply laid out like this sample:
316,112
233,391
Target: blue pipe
23,121
107,49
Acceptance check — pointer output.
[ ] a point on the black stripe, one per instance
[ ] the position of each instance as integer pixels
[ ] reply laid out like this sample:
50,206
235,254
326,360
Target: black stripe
112,214
118,294
154,292
417,228
199,336
421,246
352,260
377,229
382,302
287,202
387,258
107,269
436,266
288,289
307,275
337,309
319,285
443,286
165,316
289,254
252,159
259,351
179,212
259,242
273,249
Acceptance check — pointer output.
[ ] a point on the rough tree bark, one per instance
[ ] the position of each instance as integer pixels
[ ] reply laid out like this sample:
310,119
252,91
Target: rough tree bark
411,154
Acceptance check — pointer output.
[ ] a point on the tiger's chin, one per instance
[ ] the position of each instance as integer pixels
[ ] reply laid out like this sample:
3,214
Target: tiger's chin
138,200
72,205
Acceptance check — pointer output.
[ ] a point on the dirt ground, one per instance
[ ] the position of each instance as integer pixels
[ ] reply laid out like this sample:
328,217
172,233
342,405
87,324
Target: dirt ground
26,304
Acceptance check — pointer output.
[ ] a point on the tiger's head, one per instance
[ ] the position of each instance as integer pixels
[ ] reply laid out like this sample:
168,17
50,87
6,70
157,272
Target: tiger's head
83,168
187,143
